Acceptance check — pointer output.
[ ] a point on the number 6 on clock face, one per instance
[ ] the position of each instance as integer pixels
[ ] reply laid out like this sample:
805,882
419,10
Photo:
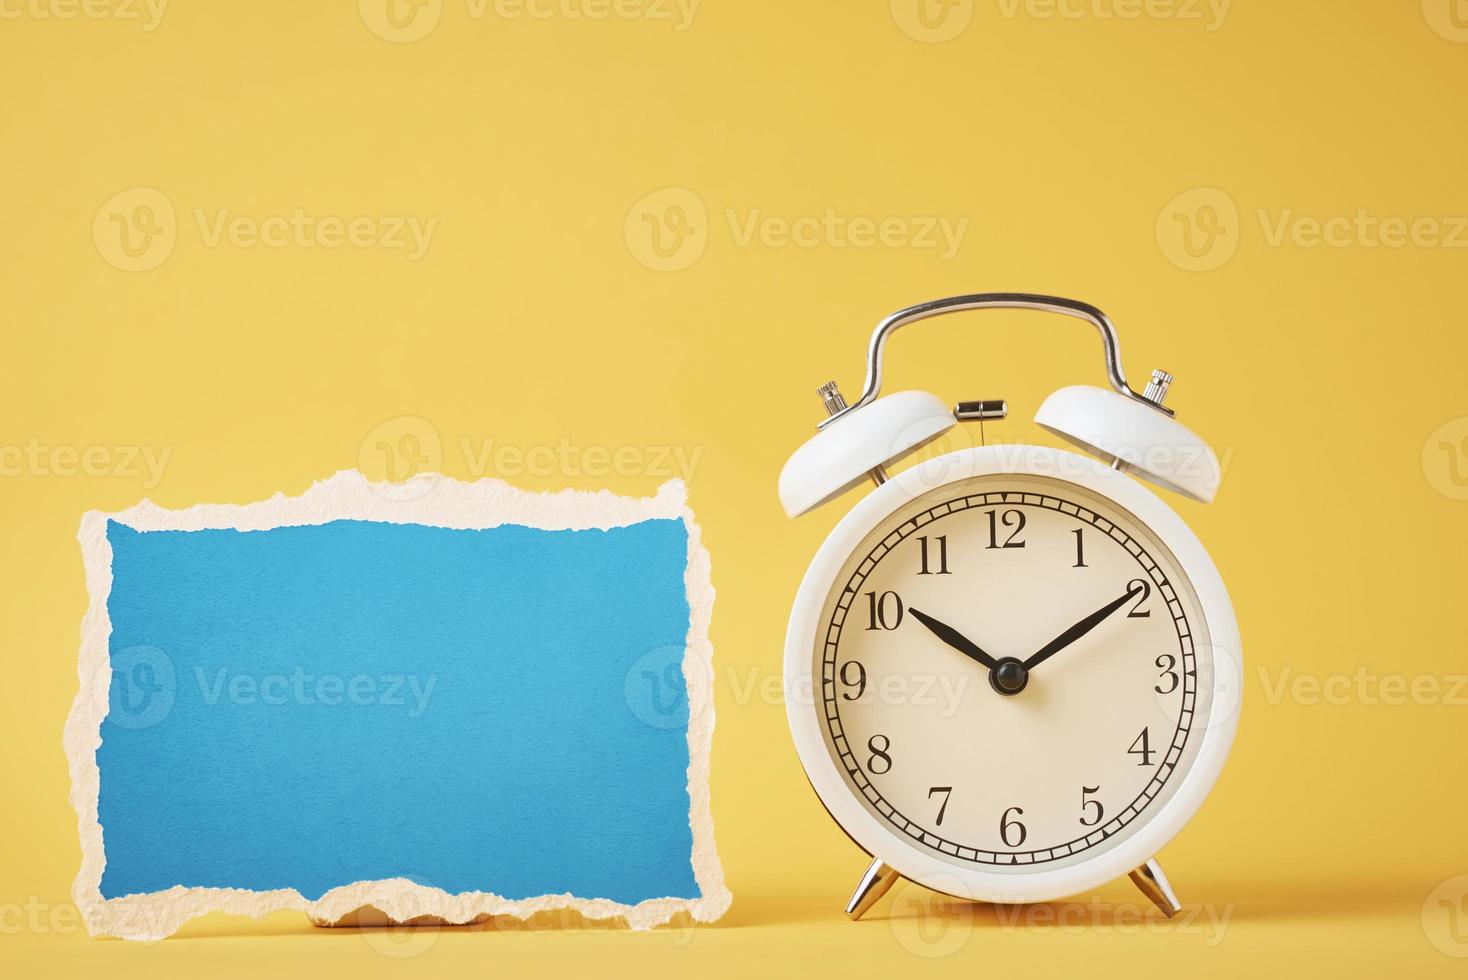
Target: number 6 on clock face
1015,675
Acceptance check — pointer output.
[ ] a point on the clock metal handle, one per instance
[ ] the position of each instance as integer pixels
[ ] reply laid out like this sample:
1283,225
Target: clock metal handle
995,301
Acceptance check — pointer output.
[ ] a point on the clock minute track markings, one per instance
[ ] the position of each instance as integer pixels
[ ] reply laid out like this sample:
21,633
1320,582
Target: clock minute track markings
880,617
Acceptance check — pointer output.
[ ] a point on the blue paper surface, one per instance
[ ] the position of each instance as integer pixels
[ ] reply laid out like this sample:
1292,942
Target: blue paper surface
494,710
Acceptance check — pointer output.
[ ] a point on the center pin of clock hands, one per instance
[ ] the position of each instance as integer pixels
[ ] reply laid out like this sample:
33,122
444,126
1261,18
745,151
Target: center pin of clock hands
1010,675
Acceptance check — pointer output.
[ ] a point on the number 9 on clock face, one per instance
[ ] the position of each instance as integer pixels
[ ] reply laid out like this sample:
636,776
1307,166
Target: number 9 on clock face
1006,673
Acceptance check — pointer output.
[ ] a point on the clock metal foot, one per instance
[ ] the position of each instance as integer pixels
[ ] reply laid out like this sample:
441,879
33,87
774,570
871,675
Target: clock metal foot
1153,883
877,881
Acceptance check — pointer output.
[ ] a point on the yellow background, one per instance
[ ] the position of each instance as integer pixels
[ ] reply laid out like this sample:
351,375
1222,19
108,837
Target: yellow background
1321,373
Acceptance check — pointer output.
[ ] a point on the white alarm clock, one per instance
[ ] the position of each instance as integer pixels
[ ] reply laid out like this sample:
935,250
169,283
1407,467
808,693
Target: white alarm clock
1024,667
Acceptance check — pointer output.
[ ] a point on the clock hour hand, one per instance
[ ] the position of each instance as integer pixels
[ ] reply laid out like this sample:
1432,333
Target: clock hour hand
953,638
1082,628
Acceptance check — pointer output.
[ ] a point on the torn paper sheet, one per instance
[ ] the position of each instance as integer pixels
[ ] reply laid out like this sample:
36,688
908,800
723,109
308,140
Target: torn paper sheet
435,699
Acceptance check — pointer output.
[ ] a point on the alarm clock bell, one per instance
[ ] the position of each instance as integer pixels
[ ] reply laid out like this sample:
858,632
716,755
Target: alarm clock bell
862,443
1122,427
1153,446
1130,431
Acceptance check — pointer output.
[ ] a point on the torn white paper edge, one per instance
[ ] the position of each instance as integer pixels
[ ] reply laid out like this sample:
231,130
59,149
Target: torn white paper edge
436,501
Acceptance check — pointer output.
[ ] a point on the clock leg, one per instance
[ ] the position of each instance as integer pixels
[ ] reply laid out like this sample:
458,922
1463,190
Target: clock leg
877,881
1153,883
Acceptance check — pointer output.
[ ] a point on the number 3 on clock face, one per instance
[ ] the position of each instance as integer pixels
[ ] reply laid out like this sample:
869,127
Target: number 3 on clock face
1012,674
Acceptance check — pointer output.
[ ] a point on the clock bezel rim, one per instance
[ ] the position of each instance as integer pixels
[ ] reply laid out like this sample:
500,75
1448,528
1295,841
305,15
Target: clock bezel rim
885,842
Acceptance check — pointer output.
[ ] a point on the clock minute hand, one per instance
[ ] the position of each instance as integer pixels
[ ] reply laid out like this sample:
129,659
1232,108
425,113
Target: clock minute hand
1079,629
953,638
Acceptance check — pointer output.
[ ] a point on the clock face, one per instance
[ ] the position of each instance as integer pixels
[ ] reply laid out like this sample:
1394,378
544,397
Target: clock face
1009,673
